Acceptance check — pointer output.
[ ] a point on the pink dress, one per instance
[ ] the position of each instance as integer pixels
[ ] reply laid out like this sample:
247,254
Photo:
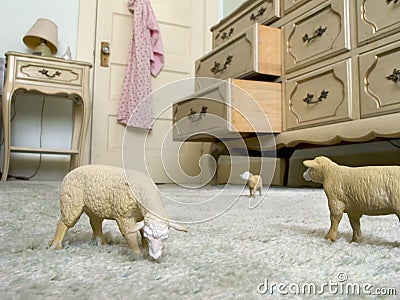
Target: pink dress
146,59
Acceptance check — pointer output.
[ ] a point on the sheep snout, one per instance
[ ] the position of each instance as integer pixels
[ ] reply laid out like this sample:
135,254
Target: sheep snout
306,175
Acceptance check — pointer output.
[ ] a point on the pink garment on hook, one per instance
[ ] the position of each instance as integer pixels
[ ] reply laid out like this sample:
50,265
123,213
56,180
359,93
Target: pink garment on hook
146,59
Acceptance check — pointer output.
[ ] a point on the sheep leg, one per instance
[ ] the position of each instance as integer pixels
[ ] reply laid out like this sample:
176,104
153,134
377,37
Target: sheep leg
126,225
96,224
145,244
336,208
133,242
59,236
355,225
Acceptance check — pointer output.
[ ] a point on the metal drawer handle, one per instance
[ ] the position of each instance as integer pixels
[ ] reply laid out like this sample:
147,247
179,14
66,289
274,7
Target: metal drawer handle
226,35
46,73
217,66
261,11
395,76
193,118
317,33
394,1
310,97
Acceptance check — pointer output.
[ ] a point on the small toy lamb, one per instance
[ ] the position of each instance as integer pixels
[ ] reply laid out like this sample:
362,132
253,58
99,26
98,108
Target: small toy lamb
103,192
356,191
253,181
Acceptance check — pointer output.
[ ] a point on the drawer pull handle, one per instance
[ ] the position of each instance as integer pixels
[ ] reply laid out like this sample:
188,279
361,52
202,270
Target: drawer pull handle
217,66
395,76
317,33
202,113
261,11
310,97
226,35
46,73
394,1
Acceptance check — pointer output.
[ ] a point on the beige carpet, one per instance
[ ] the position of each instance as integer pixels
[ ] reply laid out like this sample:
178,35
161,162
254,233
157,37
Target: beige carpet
277,248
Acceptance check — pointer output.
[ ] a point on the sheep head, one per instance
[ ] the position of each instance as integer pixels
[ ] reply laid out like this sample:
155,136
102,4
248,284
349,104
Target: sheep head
316,167
156,233
246,175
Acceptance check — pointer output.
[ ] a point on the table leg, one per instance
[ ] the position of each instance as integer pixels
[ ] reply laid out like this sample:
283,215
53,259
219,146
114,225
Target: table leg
6,111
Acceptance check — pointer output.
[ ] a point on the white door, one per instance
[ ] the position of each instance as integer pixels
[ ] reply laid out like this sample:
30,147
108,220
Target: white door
183,25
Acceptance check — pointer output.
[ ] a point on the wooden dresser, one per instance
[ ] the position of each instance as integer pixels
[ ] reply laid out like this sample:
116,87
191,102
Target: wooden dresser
341,73
340,68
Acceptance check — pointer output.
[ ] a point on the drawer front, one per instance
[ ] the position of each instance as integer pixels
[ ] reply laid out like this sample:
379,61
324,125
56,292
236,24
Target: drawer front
377,18
380,81
320,97
229,107
264,12
256,51
320,33
289,5
50,73
189,119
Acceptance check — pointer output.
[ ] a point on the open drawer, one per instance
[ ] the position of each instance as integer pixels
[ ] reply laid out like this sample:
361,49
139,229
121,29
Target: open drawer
255,51
229,109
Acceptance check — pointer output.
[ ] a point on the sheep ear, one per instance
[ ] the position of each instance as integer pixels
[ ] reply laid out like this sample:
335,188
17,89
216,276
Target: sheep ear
139,225
310,164
177,226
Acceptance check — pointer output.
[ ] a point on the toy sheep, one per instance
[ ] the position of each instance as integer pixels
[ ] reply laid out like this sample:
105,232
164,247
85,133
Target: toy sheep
103,192
253,181
356,191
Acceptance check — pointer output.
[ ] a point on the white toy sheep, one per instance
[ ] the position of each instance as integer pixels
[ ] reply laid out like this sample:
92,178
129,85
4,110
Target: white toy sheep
102,192
356,191
254,182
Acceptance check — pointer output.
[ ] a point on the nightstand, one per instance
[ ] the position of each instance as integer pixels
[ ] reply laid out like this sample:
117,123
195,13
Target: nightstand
49,76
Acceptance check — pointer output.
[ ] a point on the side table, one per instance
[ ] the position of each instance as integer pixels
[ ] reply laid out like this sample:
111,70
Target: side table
49,76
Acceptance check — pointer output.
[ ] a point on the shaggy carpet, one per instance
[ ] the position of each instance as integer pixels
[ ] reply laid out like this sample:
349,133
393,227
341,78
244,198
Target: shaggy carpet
274,250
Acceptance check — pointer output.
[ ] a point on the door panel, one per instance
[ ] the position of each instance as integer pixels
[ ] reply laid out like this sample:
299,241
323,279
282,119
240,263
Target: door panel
184,36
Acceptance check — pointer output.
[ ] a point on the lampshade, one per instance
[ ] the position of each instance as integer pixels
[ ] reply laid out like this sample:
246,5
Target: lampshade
43,30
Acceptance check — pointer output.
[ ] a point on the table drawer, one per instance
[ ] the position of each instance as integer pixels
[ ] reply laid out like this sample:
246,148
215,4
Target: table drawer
320,33
320,97
250,12
376,18
49,73
380,81
255,51
229,107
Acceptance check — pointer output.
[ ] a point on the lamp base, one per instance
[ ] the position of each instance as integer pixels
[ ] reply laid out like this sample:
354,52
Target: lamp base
42,50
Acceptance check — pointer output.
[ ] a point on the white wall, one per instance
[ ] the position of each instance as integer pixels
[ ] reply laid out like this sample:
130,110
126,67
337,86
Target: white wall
230,5
17,16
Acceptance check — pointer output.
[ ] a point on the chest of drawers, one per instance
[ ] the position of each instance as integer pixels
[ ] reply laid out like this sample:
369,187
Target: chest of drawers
341,71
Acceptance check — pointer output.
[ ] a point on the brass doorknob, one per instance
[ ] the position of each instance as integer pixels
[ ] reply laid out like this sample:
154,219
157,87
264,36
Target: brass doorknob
105,54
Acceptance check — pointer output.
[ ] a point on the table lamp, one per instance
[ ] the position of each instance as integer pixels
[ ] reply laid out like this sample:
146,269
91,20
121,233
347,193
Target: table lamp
42,37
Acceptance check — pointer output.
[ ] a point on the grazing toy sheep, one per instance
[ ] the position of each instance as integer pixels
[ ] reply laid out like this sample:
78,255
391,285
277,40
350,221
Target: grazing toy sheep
355,191
102,192
253,181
